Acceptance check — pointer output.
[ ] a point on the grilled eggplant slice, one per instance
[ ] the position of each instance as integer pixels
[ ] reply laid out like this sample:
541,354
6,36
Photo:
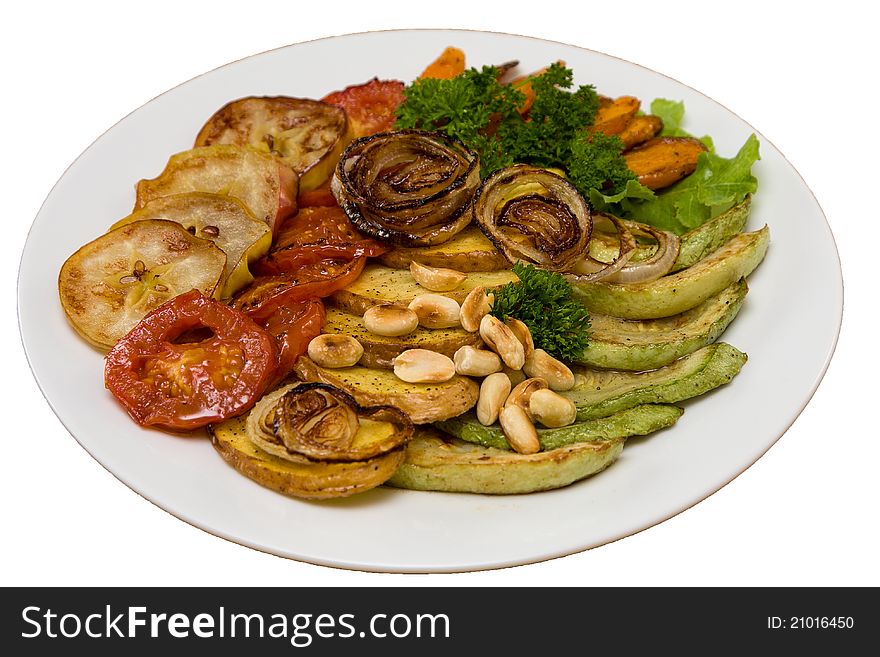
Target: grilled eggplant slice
267,186
224,220
307,135
111,283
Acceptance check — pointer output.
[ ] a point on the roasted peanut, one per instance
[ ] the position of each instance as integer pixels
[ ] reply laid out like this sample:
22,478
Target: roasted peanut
542,364
523,334
551,409
493,392
500,339
390,320
436,279
436,311
475,306
331,350
519,430
522,393
476,362
423,366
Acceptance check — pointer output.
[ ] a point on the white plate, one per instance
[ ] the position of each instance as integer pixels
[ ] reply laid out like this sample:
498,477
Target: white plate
788,326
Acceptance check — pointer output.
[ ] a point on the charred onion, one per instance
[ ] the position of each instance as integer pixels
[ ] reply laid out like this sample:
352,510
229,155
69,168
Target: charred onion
534,216
411,188
311,422
623,269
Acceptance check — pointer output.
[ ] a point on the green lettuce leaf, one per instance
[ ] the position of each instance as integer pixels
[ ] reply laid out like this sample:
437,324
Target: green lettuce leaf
671,112
716,185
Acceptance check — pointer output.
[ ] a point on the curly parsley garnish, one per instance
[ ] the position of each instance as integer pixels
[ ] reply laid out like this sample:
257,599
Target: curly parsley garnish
543,301
483,113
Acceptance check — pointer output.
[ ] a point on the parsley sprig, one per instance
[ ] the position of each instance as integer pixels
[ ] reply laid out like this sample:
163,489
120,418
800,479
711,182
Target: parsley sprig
543,301
484,113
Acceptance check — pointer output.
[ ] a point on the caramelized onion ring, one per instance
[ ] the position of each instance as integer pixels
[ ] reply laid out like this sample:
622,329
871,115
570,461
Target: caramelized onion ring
622,270
588,269
534,216
411,188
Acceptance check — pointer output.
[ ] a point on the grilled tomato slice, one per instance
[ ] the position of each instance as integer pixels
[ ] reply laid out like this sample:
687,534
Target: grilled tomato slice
371,107
320,279
112,282
164,381
308,135
224,220
266,185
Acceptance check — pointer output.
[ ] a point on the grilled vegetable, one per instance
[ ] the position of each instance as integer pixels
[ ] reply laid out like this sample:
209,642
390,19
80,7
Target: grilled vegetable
380,350
111,283
696,244
378,285
468,251
267,186
599,393
371,107
621,344
534,216
321,422
318,480
183,384
307,135
223,220
449,64
422,402
640,129
410,188
615,114
663,161
634,421
681,291
437,461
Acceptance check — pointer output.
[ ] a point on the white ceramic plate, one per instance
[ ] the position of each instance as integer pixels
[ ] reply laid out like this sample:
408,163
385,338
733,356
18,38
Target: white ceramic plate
788,326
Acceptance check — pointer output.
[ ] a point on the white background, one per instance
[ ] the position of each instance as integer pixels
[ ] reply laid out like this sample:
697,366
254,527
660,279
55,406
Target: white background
803,74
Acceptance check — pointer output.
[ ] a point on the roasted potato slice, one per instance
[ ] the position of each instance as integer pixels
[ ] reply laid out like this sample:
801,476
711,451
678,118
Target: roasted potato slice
380,350
422,402
378,284
614,114
468,251
640,129
267,186
224,220
308,135
112,282
663,161
318,480
437,461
